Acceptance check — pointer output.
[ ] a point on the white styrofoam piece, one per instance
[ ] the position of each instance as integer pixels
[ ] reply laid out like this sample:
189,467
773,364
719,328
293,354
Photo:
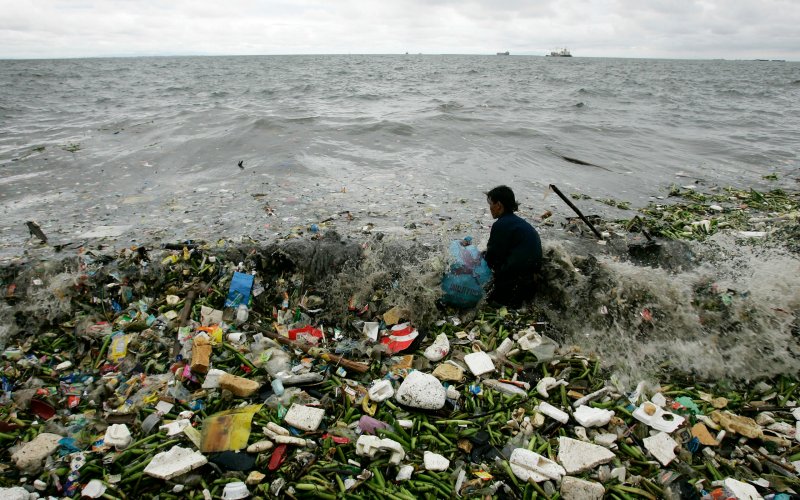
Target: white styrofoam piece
545,384
381,390
164,407
505,388
93,489
551,411
420,390
404,473
592,417
434,461
479,363
369,446
573,488
306,418
172,463
212,378
578,456
277,429
260,446
606,439
452,392
439,349
118,436
530,466
175,427
16,493
30,457
505,347
405,423
531,340
740,490
296,441
662,447
660,420
659,400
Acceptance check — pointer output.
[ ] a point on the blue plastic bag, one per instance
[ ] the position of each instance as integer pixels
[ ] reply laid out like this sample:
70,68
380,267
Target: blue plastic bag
463,283
239,292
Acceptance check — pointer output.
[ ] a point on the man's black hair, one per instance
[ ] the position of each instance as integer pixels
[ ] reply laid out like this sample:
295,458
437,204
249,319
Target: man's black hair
504,195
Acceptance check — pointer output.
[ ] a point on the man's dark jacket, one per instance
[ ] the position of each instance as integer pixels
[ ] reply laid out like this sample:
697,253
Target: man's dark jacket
514,254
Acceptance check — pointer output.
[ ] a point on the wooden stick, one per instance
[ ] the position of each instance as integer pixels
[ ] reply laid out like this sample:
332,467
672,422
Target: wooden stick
573,207
319,353
183,319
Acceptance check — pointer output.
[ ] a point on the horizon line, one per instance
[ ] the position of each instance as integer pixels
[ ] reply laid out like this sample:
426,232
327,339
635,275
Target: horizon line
526,54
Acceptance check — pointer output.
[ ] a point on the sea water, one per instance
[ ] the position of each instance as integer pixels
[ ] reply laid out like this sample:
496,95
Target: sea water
150,150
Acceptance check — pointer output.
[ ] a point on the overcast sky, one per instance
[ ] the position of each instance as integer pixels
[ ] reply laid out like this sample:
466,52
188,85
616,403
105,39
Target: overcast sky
730,29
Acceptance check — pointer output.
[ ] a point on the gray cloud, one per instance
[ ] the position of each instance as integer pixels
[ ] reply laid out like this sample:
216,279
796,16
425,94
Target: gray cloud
621,28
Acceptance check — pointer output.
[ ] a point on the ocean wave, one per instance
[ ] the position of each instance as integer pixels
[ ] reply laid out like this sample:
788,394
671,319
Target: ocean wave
266,124
387,126
446,107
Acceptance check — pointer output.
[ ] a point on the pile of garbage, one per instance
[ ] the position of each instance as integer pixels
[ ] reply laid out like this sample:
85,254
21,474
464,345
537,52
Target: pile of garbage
185,372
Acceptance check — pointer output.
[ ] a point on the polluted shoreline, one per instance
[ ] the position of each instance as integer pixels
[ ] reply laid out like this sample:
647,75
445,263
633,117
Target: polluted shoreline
657,362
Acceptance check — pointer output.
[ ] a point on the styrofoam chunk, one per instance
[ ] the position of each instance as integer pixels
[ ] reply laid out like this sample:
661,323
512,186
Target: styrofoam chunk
277,429
16,493
530,466
176,427
212,379
307,418
573,488
295,441
172,463
578,456
420,390
551,411
740,490
118,436
369,446
404,473
93,489
381,390
260,446
662,447
30,457
435,462
592,417
660,420
479,363
659,400
607,440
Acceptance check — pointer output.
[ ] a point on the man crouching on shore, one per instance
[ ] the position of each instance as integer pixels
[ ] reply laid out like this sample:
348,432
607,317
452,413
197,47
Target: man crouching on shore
514,251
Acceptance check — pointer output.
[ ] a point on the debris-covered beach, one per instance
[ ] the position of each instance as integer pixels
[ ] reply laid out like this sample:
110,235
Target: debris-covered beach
322,366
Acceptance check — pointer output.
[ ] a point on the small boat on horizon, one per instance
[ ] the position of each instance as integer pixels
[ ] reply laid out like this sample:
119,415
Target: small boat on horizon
506,53
560,53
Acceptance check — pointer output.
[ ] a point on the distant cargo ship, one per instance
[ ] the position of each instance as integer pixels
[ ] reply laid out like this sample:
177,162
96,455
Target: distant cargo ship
560,53
506,53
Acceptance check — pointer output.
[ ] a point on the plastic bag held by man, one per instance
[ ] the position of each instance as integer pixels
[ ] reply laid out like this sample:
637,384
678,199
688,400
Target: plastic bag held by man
463,283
